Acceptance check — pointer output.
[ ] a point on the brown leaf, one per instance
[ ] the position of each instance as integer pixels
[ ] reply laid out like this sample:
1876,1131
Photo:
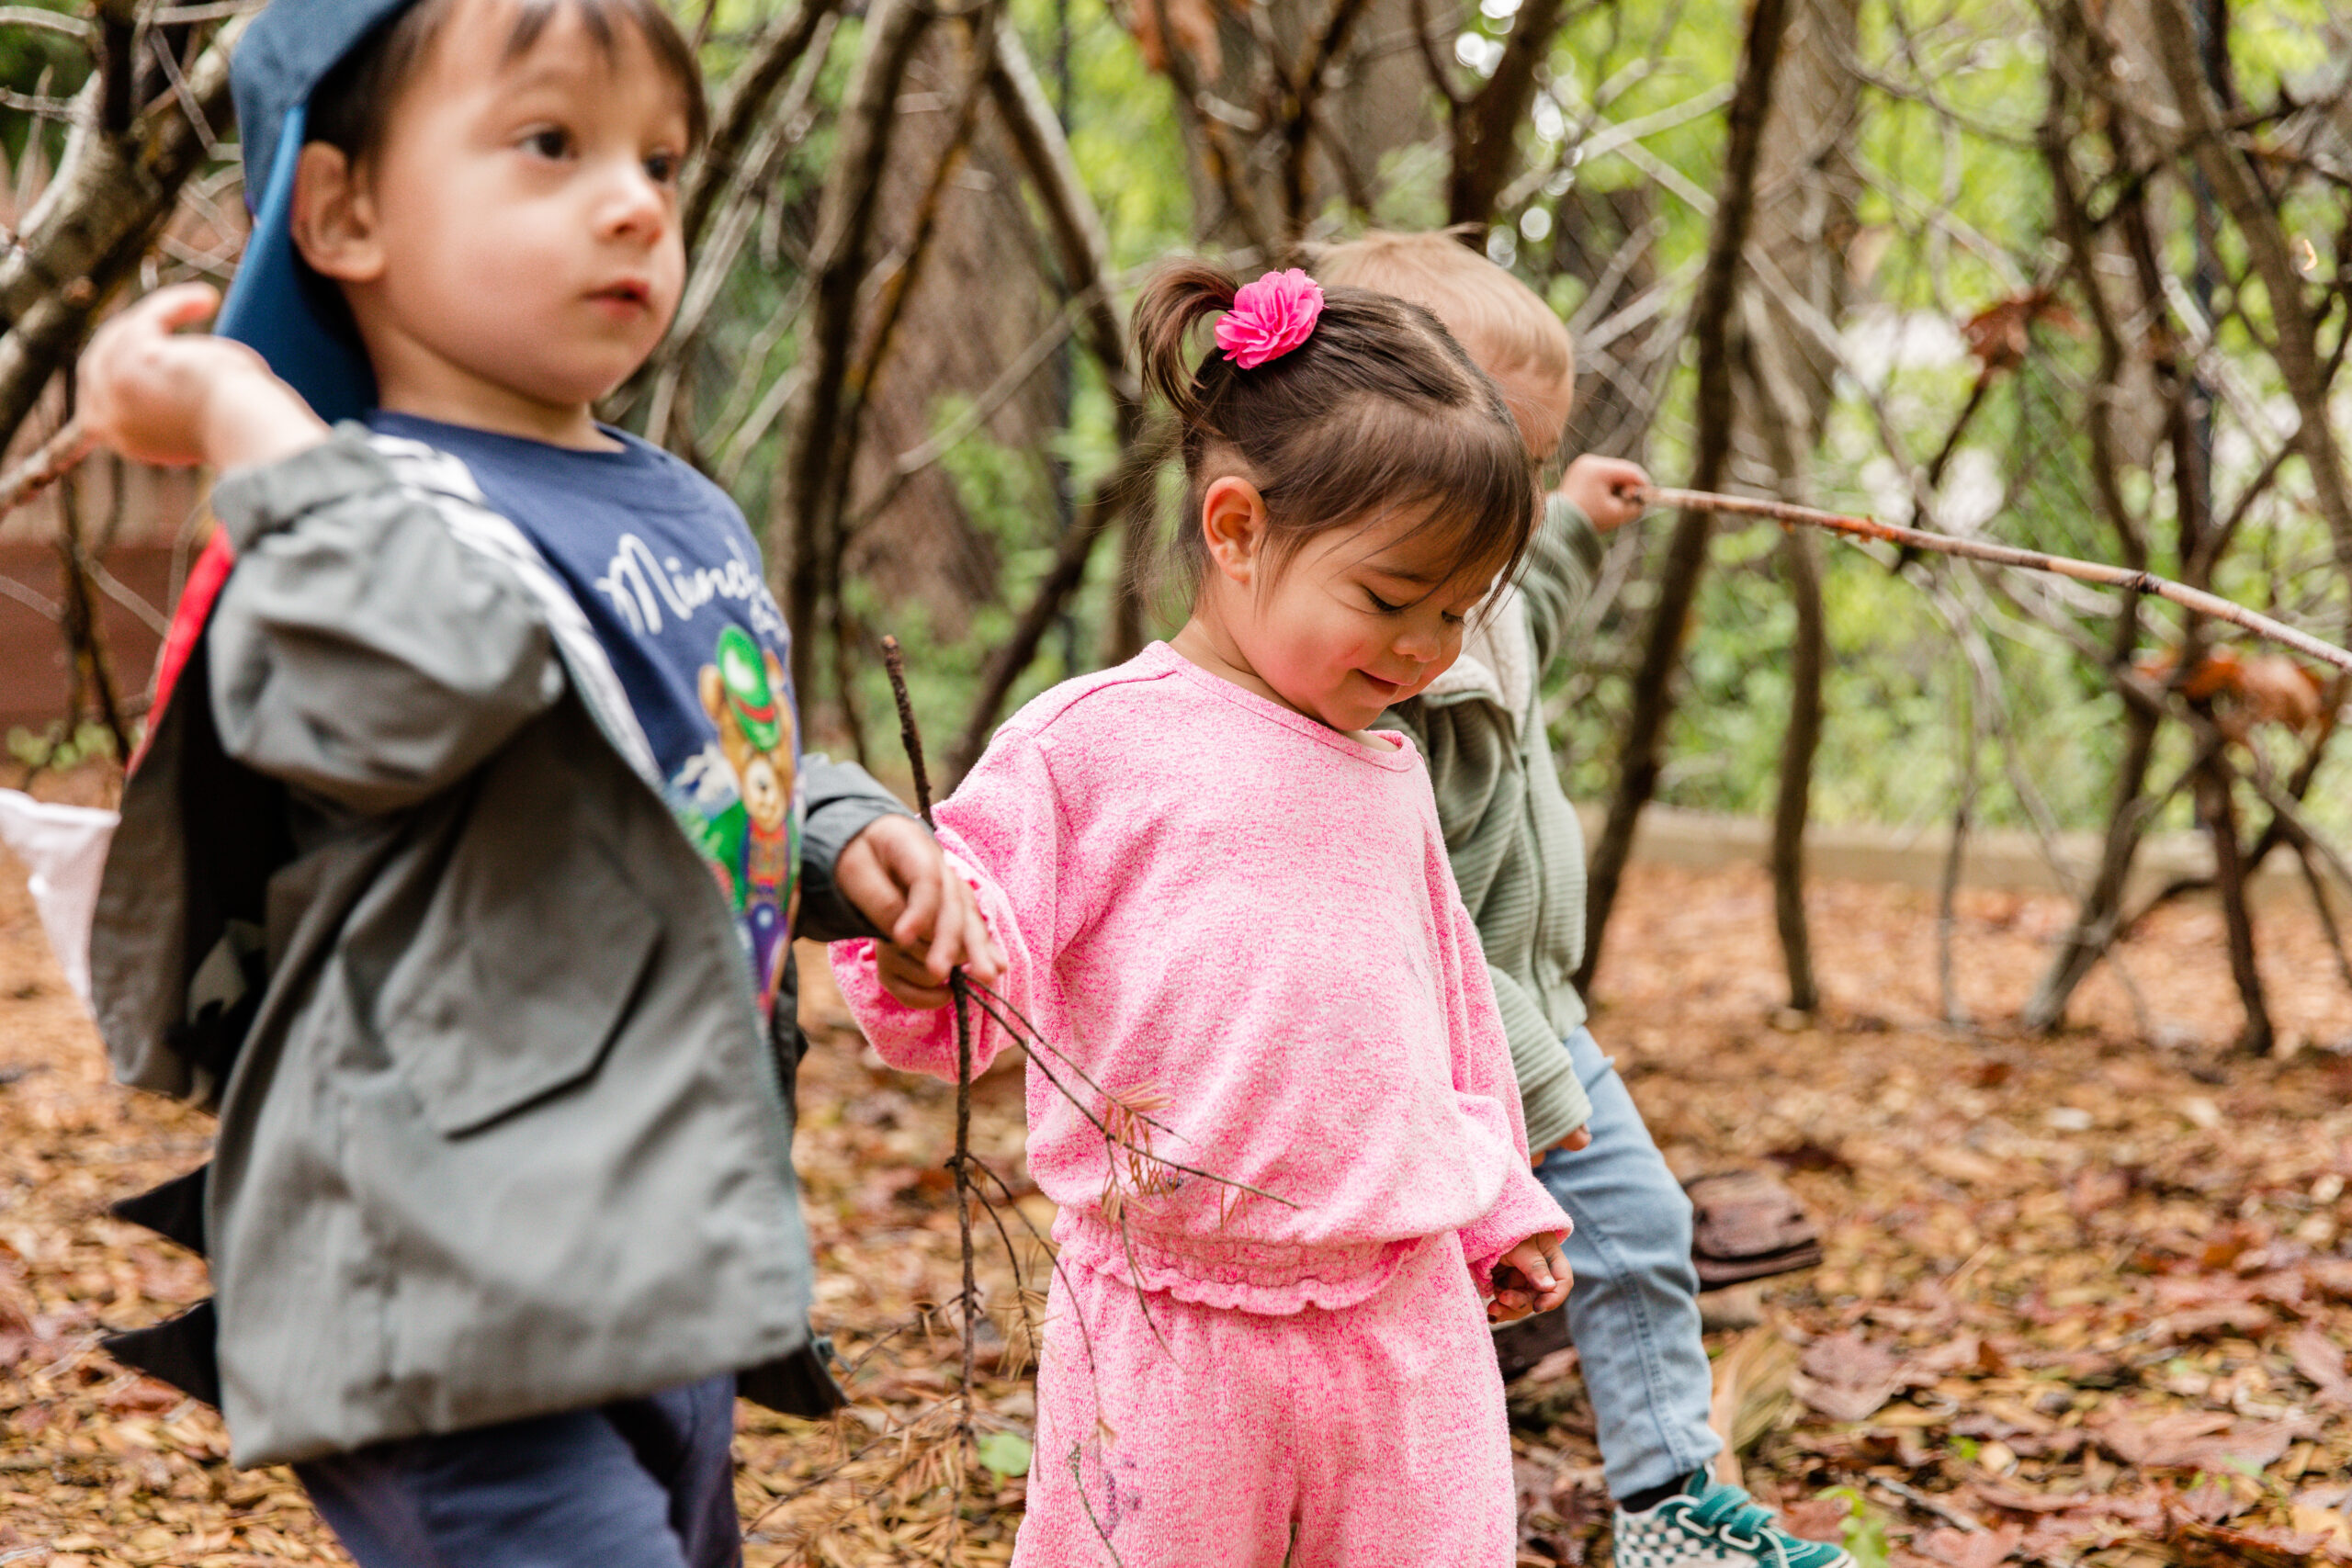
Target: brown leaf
2000,333
2190,1440
1817,1519
1971,1549
2262,1546
1846,1377
2321,1362
2244,1318
2213,1500
2332,1275
143,1395
2328,1522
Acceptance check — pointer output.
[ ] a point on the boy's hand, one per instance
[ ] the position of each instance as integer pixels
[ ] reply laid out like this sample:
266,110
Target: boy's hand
158,396
896,874
1531,1277
1607,490
1577,1140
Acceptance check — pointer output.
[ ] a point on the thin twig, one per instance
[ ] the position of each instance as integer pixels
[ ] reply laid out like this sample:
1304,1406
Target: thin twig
1930,1503
52,461
910,735
1030,1044
2137,581
894,661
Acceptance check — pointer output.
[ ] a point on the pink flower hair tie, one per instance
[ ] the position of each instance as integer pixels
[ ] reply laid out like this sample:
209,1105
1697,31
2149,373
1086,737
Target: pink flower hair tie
1269,318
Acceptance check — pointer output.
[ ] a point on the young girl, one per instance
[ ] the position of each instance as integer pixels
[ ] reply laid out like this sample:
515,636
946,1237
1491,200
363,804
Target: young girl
1295,1162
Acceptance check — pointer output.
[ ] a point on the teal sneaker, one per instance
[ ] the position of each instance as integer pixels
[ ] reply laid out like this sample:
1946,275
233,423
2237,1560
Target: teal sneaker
1710,1525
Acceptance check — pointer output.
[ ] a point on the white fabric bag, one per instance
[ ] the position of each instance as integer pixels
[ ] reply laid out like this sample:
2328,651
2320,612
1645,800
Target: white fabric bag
64,849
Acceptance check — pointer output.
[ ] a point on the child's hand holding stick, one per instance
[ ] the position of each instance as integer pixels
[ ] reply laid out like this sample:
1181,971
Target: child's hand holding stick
938,906
1610,492
1531,1277
894,873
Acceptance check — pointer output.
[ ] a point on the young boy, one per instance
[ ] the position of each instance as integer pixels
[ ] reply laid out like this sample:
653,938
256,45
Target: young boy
1518,853
459,877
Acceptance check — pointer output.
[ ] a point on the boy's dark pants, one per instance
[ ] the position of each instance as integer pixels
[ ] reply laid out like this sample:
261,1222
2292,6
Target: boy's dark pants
640,1484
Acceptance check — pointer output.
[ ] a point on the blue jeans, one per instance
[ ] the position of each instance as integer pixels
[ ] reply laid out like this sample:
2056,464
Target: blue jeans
1634,1310
638,1484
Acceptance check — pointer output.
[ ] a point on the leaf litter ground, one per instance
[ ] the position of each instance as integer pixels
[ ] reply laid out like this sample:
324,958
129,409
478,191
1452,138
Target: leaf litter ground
2086,1300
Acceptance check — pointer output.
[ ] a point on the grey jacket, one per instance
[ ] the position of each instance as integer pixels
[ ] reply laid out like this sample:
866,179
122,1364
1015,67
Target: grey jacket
1517,848
501,1129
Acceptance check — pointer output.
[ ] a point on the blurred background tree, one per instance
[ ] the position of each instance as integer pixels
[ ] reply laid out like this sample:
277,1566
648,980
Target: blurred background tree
2064,274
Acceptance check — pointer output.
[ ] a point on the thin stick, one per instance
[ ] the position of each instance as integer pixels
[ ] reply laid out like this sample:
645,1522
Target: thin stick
910,735
52,461
2192,599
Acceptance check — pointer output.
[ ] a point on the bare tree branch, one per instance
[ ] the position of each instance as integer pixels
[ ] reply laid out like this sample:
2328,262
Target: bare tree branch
2295,342
85,238
1687,553
1128,489
894,28
741,113
2194,599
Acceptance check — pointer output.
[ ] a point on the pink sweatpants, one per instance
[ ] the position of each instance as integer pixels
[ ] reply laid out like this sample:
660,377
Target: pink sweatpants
1373,1436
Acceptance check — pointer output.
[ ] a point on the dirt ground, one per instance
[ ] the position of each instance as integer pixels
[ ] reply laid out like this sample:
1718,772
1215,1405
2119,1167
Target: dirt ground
2085,1298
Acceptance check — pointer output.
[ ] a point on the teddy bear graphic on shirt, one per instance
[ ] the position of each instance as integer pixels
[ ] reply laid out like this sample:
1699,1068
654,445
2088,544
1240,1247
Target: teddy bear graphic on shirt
738,797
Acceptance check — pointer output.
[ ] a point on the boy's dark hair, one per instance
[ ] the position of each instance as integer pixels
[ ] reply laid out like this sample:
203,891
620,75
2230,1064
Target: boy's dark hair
353,103
1377,411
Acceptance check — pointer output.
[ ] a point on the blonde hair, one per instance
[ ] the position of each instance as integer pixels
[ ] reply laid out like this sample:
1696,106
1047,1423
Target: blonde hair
1504,324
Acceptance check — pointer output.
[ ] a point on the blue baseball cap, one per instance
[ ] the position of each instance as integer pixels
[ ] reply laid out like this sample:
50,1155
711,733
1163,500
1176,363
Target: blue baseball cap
275,301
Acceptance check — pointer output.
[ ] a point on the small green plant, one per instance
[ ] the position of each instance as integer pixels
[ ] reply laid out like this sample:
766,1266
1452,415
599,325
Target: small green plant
1865,1535
59,748
1004,1454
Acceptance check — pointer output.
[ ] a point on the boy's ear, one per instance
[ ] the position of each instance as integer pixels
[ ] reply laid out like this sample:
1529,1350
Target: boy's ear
334,220
1233,524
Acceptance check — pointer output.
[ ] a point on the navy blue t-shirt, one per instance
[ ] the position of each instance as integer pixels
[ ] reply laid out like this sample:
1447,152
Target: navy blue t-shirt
669,575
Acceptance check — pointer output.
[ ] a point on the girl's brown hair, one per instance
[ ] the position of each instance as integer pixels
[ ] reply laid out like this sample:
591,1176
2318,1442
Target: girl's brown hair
1379,410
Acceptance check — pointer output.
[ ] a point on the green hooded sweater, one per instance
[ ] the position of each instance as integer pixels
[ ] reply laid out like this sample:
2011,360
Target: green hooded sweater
1517,848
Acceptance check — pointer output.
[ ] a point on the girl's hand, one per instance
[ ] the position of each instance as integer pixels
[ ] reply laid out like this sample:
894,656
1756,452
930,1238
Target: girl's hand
1581,1138
1606,489
1531,1277
896,874
157,395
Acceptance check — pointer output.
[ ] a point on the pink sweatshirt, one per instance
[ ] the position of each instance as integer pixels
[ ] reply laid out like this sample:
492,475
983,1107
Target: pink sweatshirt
1243,923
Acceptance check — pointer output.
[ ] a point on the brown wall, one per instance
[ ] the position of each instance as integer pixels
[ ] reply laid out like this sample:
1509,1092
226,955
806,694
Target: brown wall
32,651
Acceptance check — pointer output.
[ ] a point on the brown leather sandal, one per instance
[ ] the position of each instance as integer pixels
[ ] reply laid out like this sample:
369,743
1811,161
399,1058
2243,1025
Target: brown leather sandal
1745,1225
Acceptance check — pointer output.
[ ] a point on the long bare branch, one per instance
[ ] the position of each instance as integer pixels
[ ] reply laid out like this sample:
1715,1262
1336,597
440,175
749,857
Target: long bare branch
2132,579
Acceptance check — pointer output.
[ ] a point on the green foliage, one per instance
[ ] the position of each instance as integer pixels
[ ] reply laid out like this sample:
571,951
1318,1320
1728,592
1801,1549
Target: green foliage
61,746
1865,1528
1004,1454
39,61
1955,215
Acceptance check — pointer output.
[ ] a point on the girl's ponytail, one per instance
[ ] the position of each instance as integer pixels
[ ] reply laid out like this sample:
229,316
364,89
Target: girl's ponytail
1178,298
1358,407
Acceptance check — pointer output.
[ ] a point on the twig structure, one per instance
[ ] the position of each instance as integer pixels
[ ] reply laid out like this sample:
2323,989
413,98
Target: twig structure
894,661
56,457
2192,599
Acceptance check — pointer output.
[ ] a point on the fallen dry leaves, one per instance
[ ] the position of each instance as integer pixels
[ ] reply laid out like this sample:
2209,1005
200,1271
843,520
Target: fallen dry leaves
2085,1299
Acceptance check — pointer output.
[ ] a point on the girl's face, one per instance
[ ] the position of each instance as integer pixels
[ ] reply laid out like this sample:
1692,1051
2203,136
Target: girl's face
1355,622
